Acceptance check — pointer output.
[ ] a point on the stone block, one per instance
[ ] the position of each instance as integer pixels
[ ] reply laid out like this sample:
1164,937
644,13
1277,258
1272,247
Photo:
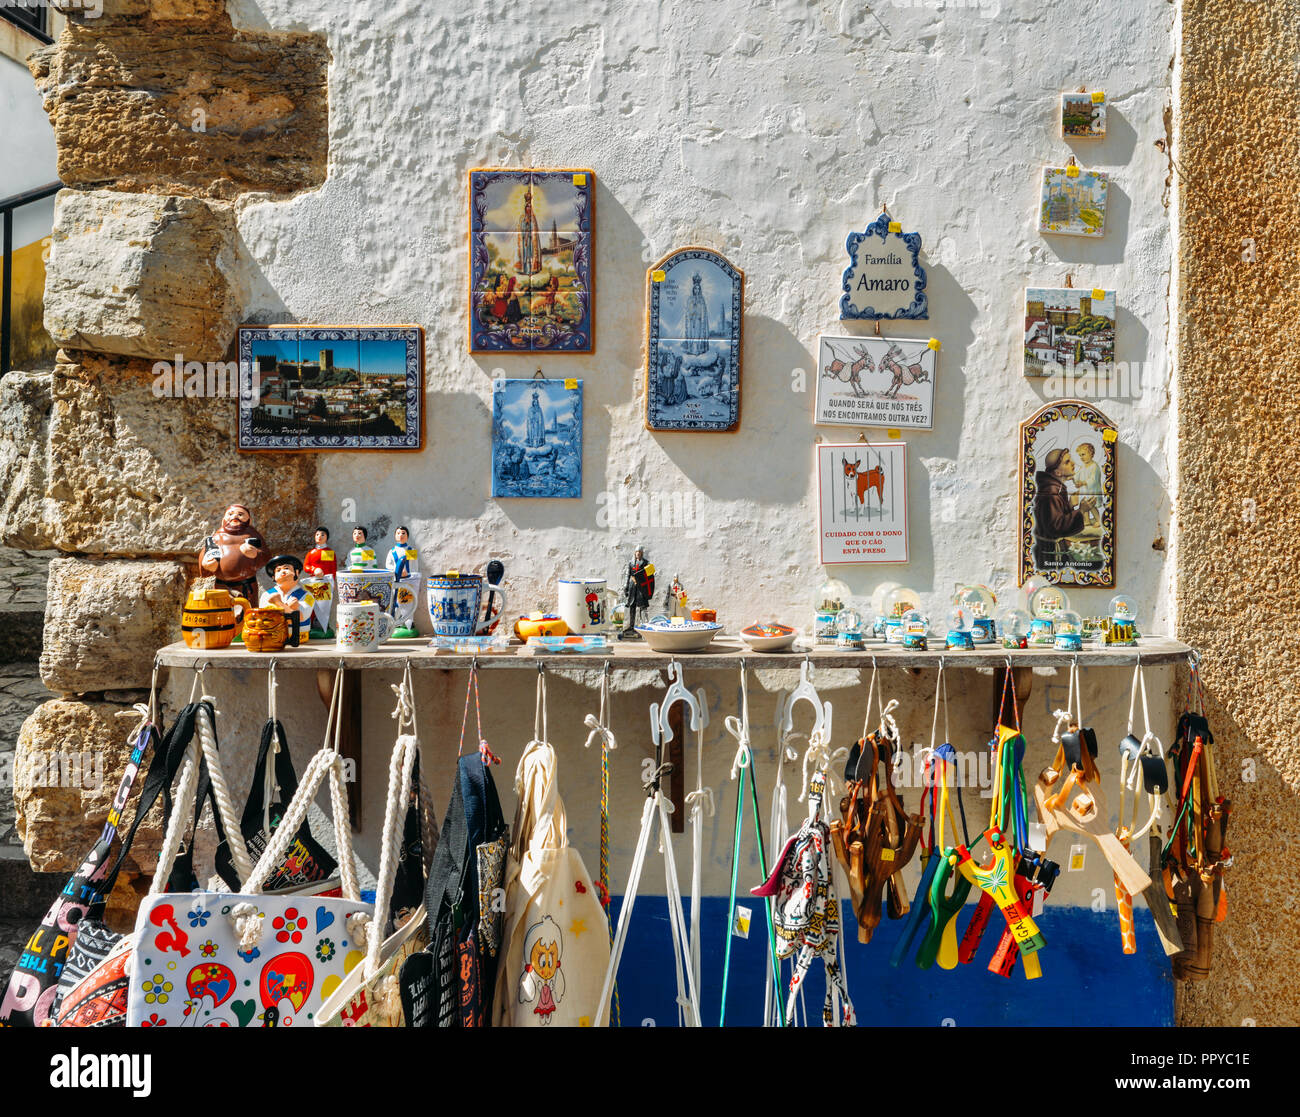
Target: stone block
143,275
66,771
105,619
167,97
93,462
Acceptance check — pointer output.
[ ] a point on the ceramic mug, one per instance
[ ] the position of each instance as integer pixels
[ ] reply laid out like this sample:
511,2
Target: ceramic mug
366,585
362,626
454,601
586,604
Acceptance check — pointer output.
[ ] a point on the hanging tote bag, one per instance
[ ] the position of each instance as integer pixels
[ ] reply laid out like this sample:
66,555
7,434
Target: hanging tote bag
33,988
556,937
370,995
246,959
273,785
92,983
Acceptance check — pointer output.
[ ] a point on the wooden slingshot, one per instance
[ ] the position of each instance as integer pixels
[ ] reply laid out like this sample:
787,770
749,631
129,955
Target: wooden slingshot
875,837
1079,804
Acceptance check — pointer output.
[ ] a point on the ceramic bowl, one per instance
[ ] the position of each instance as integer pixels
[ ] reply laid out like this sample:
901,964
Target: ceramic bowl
685,636
769,637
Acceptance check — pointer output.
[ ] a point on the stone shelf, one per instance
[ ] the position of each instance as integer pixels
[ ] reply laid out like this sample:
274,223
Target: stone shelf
725,652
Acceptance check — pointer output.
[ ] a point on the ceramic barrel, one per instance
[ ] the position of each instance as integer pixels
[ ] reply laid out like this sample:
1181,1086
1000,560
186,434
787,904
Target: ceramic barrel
454,601
208,618
366,585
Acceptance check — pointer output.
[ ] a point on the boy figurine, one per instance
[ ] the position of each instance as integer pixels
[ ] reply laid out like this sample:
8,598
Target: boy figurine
404,560
289,595
319,569
362,555
321,559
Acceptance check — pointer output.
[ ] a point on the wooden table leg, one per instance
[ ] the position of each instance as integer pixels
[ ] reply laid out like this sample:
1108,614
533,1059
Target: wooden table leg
349,732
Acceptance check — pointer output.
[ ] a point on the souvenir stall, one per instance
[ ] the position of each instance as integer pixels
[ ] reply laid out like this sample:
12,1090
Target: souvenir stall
903,740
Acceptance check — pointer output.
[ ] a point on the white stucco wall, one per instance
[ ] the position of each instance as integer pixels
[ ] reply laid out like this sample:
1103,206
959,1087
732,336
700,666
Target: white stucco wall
768,131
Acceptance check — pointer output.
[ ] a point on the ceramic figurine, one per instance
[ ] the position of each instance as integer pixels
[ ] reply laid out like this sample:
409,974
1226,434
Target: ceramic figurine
638,589
235,553
675,603
289,595
318,570
362,555
404,561
269,629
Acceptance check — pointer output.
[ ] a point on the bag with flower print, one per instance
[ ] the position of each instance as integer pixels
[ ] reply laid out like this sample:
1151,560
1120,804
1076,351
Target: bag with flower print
248,959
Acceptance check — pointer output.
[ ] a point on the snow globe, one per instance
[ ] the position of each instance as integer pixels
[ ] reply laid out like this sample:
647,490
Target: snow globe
878,608
831,597
1068,630
1122,629
914,628
1014,624
848,626
977,603
960,636
1046,602
899,601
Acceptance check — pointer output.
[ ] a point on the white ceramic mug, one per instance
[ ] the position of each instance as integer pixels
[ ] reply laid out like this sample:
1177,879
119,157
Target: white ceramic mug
362,626
587,604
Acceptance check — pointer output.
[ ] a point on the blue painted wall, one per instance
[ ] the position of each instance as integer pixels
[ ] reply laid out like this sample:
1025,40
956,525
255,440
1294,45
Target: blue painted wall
1087,980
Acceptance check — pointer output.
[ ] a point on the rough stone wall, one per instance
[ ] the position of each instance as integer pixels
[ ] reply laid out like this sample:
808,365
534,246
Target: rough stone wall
1237,522
164,116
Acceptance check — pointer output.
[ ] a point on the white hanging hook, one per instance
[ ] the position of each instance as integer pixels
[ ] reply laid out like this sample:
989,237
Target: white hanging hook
660,728
806,692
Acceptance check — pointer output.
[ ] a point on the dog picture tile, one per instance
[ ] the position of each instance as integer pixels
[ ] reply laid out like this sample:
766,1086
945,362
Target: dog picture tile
862,502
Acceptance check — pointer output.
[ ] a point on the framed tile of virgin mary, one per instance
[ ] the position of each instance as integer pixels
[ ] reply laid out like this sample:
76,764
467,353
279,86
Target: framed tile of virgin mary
531,253
694,307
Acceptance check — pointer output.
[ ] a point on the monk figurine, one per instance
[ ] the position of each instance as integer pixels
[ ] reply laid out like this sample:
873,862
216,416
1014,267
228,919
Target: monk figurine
235,553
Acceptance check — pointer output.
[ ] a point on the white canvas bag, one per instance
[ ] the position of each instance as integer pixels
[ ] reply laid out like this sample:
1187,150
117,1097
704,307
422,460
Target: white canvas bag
556,933
220,959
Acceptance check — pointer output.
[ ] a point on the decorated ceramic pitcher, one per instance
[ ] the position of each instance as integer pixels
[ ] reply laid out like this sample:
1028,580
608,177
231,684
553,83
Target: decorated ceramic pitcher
454,601
366,585
362,626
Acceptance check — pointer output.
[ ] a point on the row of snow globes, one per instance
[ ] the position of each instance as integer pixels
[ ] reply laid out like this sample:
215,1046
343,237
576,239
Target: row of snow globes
1043,619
